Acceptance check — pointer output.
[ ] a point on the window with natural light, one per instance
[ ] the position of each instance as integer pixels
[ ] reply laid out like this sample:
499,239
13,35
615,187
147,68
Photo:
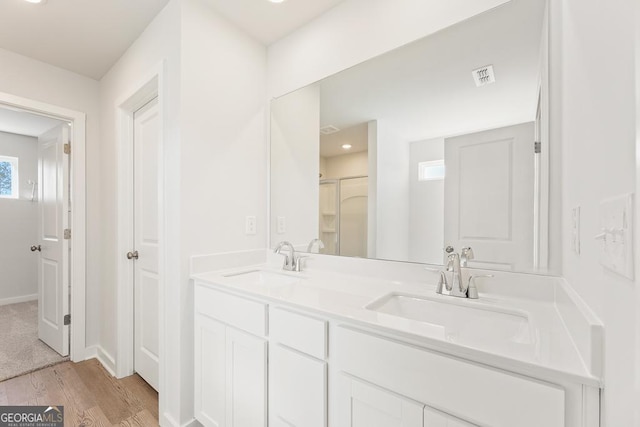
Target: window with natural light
8,177
431,171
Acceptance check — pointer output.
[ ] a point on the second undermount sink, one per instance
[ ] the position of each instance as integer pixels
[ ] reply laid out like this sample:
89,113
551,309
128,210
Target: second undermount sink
263,277
461,322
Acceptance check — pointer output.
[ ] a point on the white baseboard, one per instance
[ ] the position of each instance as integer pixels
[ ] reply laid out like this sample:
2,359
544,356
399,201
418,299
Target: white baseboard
167,420
105,359
15,300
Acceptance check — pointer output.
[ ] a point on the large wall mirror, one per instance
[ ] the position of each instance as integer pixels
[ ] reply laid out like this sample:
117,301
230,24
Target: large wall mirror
442,142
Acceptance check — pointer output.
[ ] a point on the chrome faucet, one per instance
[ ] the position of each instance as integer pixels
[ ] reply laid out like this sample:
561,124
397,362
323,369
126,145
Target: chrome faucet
292,262
459,287
313,242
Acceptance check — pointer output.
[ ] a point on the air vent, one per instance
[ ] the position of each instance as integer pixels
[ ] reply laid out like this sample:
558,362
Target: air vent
328,130
484,76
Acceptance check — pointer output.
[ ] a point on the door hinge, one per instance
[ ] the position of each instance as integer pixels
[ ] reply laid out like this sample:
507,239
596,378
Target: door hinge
67,233
537,147
67,148
67,319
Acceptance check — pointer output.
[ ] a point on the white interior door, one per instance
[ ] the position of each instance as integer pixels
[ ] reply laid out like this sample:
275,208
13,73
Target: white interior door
53,219
147,278
489,196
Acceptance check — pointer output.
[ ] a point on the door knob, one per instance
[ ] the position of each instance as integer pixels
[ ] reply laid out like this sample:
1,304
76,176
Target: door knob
132,255
36,248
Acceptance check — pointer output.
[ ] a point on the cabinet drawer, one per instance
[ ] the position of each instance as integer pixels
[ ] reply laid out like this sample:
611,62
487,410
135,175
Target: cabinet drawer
244,314
475,393
300,332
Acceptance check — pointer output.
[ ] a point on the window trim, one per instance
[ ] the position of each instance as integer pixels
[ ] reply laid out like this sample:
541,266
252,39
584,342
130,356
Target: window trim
15,188
422,166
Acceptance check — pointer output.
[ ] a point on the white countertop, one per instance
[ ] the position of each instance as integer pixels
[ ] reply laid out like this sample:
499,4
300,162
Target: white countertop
549,354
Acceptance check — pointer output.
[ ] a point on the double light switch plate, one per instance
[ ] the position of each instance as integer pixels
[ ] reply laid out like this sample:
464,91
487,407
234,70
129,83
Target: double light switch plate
616,235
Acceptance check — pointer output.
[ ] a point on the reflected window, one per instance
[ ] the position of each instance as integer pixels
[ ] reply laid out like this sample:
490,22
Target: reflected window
431,171
8,177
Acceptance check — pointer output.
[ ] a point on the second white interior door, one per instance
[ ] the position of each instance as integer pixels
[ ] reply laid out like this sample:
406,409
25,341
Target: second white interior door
147,278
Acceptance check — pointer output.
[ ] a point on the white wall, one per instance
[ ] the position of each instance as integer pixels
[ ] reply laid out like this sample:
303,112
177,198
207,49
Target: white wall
28,78
223,151
426,205
295,166
392,210
346,165
593,75
18,222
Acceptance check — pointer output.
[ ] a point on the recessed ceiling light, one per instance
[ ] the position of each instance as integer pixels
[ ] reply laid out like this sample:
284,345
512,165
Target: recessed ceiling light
36,1
347,146
276,1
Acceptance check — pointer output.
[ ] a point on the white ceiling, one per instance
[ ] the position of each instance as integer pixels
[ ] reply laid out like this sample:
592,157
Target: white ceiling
23,123
83,36
268,22
357,136
426,90
89,36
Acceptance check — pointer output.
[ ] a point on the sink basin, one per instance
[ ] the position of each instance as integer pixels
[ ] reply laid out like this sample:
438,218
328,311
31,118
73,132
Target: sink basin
480,326
263,277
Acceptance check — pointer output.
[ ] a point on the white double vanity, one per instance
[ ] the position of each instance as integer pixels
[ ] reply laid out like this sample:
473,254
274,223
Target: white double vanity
366,343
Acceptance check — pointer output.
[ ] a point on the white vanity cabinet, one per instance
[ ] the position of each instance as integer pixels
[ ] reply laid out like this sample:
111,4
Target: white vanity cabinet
261,363
230,360
297,370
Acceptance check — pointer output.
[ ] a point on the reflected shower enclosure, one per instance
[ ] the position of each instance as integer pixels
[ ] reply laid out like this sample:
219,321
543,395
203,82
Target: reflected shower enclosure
343,216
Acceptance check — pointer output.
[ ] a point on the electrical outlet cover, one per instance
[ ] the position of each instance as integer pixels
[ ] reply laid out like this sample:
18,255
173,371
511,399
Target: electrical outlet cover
616,235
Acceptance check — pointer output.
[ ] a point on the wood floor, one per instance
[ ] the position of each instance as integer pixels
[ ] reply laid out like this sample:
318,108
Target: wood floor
89,394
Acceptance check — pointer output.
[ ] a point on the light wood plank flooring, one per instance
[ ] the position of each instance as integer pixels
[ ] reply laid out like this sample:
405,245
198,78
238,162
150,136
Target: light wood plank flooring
89,394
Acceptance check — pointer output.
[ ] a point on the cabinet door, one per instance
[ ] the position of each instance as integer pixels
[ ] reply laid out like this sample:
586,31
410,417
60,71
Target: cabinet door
246,380
433,418
363,405
297,389
210,343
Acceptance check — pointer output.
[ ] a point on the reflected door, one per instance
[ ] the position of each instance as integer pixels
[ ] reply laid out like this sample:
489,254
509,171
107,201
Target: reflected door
489,203
53,219
353,217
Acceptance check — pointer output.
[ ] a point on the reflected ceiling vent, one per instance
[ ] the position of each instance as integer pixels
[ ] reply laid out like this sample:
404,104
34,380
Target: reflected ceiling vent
328,130
484,76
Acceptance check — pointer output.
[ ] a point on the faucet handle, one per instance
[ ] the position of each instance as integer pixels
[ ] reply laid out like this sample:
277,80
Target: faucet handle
442,280
472,290
297,262
465,255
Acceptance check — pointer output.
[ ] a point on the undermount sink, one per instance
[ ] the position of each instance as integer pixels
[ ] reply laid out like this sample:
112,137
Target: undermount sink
263,277
480,326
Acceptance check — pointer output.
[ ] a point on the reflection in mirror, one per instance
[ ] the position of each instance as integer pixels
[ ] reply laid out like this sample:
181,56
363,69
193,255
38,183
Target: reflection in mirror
424,147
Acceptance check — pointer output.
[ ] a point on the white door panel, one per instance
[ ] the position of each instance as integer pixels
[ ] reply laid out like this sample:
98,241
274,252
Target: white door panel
53,218
489,196
146,131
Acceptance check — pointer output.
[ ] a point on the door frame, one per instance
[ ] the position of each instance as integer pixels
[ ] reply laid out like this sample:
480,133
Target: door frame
144,91
77,195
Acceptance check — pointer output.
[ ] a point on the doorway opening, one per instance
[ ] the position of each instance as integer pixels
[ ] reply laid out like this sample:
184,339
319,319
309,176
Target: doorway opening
43,281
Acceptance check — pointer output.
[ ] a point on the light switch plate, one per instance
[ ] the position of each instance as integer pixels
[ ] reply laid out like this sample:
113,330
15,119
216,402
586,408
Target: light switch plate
575,230
616,235
281,225
250,225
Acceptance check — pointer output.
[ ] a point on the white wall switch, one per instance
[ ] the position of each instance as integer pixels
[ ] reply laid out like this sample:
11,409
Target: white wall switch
575,230
616,235
250,225
281,225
